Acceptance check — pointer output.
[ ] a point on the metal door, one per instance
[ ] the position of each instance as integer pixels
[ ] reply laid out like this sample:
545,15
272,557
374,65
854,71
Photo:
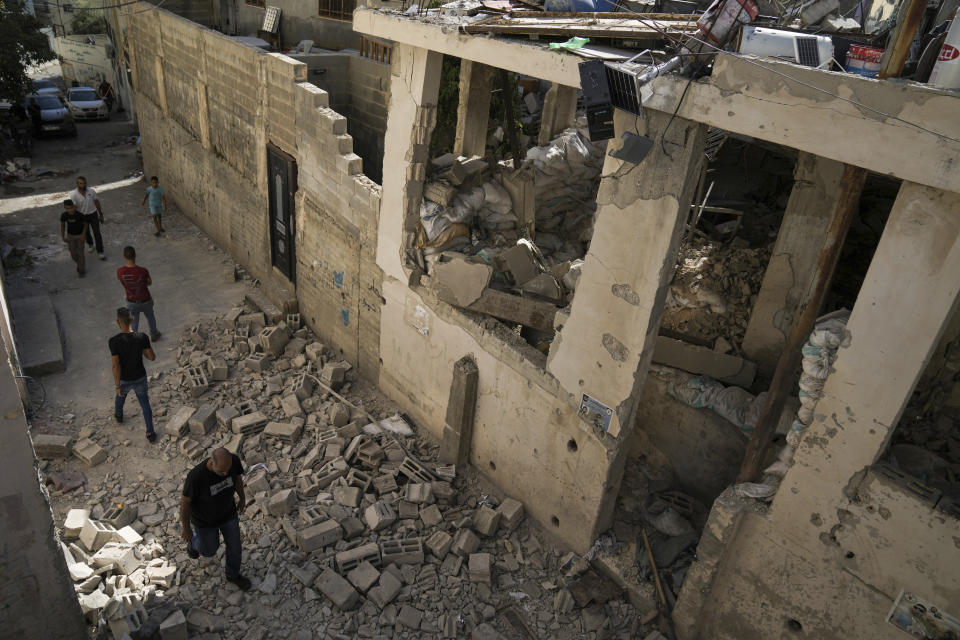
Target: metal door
282,170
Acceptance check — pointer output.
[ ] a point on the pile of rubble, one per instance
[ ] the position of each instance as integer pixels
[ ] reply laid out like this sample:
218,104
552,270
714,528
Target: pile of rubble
713,292
351,529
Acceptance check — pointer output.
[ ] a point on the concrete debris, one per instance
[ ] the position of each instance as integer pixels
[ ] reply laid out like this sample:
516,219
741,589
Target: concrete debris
350,518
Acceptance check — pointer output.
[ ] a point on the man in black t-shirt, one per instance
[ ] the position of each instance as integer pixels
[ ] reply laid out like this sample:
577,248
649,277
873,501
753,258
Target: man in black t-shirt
127,351
208,509
73,229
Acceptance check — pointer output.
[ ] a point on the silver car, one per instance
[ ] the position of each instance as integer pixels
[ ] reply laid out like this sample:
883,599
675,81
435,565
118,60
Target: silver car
85,104
49,115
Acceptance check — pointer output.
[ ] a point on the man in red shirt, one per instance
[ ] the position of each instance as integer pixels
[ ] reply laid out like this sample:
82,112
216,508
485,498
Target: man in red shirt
135,281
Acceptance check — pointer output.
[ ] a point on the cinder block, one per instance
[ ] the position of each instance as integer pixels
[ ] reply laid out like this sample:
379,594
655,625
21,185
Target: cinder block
174,627
338,590
358,479
125,614
479,566
439,544
431,515
249,424
179,422
303,387
351,558
89,451
217,368
257,362
291,406
310,516
402,551
415,471
119,516
364,576
191,449
225,416
465,542
347,496
419,492
319,536
129,535
282,502
257,481
73,523
511,514
202,420
197,381
283,431
47,445
409,617
379,515
386,590
273,340
121,557
486,521
95,534
385,483
352,527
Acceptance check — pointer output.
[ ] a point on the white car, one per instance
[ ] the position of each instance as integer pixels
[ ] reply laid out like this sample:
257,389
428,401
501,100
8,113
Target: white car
85,104
46,88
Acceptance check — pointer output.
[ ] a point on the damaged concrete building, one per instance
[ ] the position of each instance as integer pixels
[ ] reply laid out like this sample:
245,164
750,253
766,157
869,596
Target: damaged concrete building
637,321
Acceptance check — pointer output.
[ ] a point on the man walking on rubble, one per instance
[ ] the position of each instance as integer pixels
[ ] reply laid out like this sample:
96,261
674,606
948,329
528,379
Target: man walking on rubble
86,200
208,510
127,351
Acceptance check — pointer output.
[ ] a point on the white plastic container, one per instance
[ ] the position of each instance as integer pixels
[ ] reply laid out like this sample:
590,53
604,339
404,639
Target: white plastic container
946,73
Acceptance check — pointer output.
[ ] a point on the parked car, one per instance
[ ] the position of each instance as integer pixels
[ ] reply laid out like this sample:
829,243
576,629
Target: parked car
85,104
46,88
49,115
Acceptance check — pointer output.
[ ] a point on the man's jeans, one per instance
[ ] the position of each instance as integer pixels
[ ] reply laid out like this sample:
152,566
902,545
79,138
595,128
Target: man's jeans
140,388
93,225
136,308
206,541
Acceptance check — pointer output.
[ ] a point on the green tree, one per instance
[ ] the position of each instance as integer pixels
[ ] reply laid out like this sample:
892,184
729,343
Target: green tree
21,46
88,22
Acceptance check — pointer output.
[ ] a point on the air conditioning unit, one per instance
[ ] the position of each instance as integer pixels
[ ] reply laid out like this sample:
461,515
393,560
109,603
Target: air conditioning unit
802,48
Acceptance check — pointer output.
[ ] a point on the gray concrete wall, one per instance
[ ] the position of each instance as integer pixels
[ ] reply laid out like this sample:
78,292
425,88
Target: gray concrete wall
32,569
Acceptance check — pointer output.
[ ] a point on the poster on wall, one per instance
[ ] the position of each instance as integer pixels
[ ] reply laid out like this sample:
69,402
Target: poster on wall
922,619
595,412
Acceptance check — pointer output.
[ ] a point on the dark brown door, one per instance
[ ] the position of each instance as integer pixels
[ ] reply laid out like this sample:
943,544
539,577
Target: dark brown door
283,184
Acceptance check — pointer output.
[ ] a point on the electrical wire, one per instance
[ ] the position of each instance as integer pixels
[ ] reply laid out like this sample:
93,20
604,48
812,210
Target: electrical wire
755,63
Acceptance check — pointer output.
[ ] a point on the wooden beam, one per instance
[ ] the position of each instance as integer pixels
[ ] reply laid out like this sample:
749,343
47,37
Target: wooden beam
896,54
781,387
535,314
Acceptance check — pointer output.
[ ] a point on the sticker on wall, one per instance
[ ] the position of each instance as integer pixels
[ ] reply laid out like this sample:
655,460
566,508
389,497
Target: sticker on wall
919,618
595,412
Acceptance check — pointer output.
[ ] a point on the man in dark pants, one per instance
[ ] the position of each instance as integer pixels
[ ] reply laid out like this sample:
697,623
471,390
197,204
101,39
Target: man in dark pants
135,281
127,350
87,202
73,228
207,510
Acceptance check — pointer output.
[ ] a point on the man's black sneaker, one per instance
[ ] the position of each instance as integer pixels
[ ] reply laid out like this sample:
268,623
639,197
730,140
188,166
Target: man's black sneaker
193,553
156,336
240,581
119,419
152,436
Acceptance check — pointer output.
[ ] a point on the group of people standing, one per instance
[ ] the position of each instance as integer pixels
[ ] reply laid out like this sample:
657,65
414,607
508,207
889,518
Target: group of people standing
208,509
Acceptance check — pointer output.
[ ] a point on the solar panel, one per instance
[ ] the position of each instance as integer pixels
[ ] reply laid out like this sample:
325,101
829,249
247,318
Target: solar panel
807,52
624,93
271,19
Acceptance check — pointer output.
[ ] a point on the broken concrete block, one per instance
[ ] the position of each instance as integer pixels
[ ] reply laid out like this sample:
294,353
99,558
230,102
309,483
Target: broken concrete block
249,424
174,627
352,527
334,374
379,515
257,481
89,451
385,483
407,510
347,496
442,490
419,493
319,536
303,387
459,282
129,535
338,590
465,542
563,601
121,557
179,422
431,515
409,617
314,352
726,368
125,614
73,523
363,576
283,431
191,449
225,416
217,369
351,558
439,191
402,551
48,445
386,590
485,632
291,406
486,521
415,471
273,340
161,576
478,567
439,544
255,321
511,514
282,502
79,571
339,415
202,420
95,534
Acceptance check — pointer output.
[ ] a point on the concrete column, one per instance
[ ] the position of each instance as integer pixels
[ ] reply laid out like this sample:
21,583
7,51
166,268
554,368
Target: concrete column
260,135
414,85
473,112
605,346
903,307
559,110
789,275
461,409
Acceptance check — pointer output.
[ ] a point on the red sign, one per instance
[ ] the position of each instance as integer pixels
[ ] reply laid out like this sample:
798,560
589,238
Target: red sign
949,52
